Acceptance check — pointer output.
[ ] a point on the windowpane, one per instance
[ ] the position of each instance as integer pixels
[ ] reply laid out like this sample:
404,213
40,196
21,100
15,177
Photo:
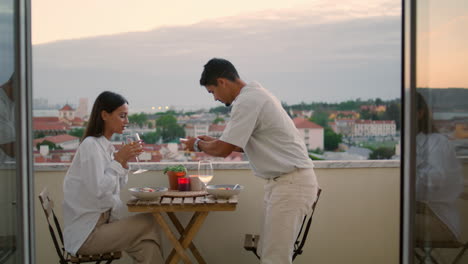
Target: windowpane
442,130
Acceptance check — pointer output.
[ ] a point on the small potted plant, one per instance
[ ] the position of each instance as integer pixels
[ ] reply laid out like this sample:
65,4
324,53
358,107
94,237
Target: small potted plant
173,174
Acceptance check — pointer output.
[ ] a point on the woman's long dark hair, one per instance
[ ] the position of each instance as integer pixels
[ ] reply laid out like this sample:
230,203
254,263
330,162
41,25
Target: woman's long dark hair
107,101
425,123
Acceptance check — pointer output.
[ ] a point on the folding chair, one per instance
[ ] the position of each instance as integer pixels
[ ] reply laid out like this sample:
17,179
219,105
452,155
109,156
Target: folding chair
251,241
65,257
423,249
7,248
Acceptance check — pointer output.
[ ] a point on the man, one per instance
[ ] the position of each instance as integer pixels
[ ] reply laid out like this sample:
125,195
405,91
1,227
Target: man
260,127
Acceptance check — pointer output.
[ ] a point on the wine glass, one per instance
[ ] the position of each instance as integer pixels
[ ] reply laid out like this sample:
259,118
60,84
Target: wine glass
135,137
205,171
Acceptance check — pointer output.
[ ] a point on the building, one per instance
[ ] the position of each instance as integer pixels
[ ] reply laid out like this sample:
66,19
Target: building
82,110
343,126
374,108
196,129
65,141
374,128
215,130
52,125
312,133
344,115
301,113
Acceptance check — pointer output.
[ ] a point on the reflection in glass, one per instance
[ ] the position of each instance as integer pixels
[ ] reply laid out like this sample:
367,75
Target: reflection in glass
441,217
439,181
8,215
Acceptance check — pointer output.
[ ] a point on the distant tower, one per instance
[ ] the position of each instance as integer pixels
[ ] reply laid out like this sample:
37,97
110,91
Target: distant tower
82,109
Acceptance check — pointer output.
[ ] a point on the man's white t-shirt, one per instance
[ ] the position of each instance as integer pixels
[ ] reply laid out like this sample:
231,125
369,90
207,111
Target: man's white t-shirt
262,128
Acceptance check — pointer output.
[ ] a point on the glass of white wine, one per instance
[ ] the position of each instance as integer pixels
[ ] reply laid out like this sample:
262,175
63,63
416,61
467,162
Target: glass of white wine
135,137
205,171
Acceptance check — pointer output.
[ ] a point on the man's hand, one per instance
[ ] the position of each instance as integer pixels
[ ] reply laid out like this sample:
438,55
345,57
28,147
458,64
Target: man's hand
206,138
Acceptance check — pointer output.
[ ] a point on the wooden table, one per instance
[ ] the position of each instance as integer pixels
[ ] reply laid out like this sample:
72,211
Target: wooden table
170,205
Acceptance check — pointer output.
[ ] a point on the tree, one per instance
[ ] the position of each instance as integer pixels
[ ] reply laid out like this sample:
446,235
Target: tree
218,120
393,112
320,117
220,110
40,135
139,119
378,101
168,128
382,153
77,132
332,140
150,137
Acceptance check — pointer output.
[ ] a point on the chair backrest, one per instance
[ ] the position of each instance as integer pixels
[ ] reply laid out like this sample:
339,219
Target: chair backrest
301,237
55,231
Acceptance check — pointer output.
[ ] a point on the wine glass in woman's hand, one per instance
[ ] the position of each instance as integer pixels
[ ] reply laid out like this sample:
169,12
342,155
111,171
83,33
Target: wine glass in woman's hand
134,138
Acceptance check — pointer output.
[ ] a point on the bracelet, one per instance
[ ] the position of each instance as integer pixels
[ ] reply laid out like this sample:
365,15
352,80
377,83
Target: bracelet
195,145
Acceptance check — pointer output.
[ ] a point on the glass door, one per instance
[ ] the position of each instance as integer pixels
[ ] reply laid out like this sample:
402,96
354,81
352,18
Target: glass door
436,160
15,161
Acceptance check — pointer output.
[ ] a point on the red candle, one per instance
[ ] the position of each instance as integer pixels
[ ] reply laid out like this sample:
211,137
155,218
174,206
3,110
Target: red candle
184,184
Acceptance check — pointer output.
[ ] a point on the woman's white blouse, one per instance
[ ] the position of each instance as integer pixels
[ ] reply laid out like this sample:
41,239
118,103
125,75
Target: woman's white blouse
439,178
91,187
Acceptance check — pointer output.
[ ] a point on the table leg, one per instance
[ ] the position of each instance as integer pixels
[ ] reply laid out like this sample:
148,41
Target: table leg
177,245
181,230
189,233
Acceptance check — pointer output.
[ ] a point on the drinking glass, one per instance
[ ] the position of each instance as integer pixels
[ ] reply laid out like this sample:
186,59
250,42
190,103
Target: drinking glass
205,171
135,137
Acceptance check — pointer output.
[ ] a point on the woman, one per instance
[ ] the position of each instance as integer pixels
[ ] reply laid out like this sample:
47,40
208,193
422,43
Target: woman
439,181
92,205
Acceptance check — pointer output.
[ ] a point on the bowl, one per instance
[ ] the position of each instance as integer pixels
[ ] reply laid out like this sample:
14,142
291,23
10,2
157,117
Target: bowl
148,193
224,190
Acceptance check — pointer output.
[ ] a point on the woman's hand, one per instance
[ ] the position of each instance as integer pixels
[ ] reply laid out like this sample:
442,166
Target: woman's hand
127,152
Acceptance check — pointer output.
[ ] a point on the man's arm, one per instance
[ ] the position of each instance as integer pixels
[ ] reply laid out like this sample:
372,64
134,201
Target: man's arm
212,146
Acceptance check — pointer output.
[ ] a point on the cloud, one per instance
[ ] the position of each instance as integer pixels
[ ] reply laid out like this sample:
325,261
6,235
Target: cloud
298,57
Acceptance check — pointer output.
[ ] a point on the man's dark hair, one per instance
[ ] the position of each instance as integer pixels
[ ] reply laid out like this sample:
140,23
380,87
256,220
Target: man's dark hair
107,101
218,68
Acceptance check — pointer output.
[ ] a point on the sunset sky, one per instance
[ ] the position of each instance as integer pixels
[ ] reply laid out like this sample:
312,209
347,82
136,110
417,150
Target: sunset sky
443,44
351,49
58,19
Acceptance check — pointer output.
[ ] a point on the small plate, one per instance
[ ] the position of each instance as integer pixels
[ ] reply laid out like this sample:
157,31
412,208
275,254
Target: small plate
148,193
224,190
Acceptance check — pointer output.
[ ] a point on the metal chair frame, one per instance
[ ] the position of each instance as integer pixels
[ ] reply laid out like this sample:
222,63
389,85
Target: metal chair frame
426,247
251,241
56,231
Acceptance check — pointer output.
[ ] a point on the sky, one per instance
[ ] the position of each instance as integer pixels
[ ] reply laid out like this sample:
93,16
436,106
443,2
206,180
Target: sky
302,50
57,19
443,44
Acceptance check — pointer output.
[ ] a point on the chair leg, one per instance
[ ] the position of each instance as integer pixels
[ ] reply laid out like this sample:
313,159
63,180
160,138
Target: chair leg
418,256
460,254
428,252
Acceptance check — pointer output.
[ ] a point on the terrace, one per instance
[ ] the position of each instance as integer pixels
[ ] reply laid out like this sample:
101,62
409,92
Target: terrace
357,220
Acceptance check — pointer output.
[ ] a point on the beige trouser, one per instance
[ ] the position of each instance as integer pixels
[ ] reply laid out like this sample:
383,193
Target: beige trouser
137,235
287,200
